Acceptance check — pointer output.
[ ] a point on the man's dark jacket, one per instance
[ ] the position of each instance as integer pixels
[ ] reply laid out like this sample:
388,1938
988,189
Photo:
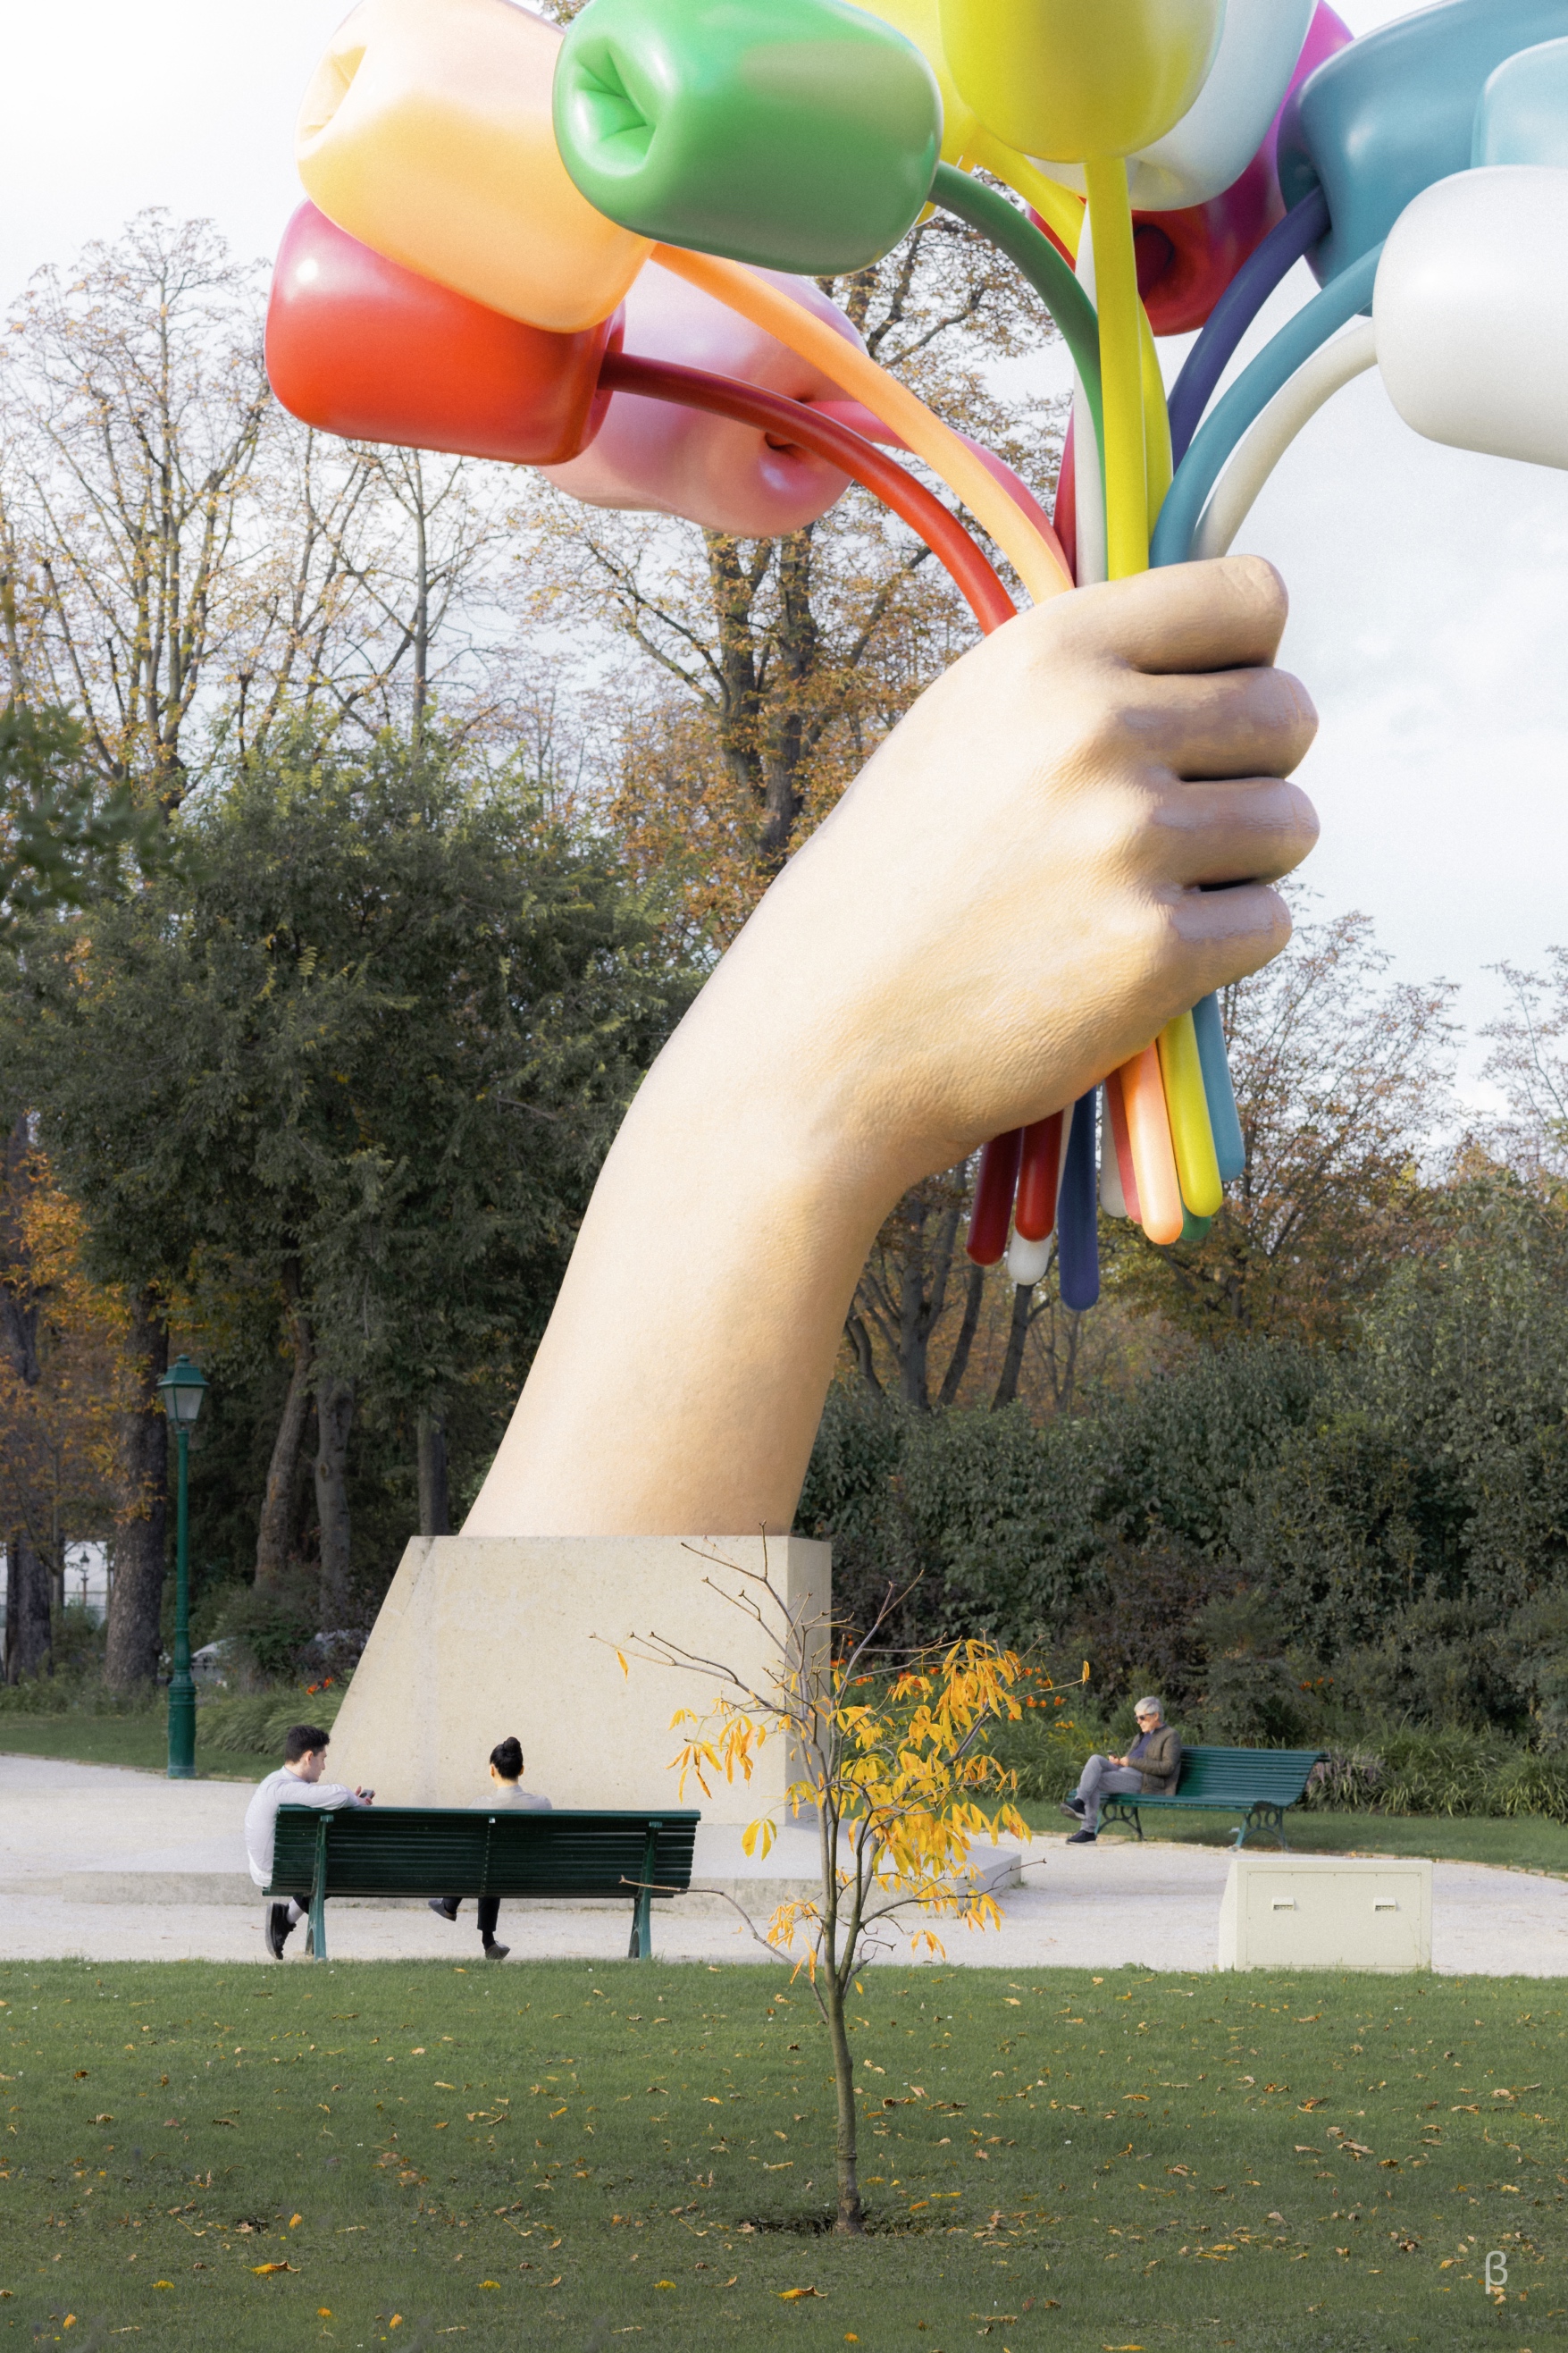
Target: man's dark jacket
1161,1763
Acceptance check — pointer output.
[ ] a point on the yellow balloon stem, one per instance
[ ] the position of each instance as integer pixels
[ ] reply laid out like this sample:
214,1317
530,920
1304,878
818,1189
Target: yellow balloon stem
1058,207
1120,368
769,308
1157,466
1186,1101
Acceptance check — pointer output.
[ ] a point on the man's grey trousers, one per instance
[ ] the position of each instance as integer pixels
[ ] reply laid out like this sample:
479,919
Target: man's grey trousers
1099,1779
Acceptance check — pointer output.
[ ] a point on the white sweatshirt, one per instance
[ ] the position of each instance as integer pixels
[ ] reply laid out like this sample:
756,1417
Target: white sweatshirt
284,1789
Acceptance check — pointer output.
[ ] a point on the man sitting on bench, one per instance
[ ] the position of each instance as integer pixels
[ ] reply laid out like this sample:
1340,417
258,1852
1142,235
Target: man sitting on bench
1151,1767
299,1783
506,1775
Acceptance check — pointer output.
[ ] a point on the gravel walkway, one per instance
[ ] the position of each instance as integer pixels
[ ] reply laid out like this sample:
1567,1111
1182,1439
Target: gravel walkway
103,1863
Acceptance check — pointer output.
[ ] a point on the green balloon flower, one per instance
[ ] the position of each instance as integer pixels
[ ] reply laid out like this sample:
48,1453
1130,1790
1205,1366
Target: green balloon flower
798,134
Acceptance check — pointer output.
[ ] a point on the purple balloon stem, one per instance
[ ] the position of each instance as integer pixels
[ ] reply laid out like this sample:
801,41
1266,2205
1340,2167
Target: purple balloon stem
1234,312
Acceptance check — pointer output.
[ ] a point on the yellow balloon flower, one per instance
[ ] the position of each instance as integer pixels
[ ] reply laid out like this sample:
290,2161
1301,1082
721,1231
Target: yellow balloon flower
427,133
1073,79
920,21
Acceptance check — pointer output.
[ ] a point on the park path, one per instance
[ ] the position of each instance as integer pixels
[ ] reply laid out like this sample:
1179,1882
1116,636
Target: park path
103,1863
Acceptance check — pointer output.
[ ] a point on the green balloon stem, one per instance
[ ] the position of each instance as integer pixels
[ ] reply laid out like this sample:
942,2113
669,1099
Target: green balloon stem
991,213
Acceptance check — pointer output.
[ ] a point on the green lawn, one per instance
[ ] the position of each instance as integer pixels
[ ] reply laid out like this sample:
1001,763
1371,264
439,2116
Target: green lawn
141,1739
554,2154
1524,1841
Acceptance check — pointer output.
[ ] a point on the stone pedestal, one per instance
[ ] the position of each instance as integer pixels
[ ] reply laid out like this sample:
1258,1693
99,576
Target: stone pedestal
480,1636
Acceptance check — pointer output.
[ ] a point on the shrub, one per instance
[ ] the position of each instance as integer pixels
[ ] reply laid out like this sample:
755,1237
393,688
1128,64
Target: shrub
269,1631
254,1724
1045,1747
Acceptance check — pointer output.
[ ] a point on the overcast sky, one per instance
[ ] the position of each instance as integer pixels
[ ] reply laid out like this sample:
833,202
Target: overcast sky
1429,588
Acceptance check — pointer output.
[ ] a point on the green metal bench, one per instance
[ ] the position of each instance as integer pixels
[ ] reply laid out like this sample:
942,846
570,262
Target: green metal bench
462,1850
1256,1783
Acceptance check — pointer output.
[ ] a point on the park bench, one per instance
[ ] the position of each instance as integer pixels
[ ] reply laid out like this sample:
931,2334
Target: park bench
1256,1783
464,1850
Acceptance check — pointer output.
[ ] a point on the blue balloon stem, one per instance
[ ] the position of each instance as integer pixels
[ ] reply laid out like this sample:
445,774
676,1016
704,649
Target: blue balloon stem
1078,1210
1248,396
1218,1091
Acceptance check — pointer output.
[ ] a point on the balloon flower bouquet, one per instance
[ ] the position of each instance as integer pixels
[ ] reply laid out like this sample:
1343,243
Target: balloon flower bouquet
594,253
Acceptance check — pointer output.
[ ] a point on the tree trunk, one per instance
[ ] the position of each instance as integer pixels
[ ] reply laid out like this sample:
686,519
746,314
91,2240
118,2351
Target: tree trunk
29,1649
434,1504
958,1363
851,2216
1017,1333
136,1597
334,1419
860,1341
277,1504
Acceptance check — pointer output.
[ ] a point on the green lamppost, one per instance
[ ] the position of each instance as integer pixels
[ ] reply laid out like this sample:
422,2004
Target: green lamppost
182,1389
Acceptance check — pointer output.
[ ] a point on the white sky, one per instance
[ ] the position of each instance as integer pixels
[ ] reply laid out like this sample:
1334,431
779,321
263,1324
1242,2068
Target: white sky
1430,594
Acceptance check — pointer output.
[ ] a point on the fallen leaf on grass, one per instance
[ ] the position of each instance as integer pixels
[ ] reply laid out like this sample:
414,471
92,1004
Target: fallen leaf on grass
261,2270
792,2295
103,2120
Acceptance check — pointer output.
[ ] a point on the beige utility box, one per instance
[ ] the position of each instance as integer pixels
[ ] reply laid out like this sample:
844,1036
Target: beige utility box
1326,1912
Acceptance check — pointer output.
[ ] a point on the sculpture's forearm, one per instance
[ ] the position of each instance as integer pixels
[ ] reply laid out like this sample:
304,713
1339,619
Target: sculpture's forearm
1013,897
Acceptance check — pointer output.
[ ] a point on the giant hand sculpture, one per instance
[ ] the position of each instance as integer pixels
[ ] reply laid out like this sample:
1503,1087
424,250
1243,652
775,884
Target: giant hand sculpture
1069,838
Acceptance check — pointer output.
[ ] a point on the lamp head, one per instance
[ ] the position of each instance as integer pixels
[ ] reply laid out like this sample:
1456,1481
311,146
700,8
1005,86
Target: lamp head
182,1389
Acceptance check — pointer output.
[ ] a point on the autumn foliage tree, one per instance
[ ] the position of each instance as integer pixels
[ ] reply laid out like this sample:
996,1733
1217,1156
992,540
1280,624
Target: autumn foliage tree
62,1375
893,1772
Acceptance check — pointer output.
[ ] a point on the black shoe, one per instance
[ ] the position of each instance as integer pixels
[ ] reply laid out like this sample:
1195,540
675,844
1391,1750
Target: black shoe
1083,1837
494,1952
279,1928
1073,1806
446,1905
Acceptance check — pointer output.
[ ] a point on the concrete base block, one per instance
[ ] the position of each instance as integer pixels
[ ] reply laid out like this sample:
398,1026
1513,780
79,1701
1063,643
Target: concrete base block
479,1637
1326,1912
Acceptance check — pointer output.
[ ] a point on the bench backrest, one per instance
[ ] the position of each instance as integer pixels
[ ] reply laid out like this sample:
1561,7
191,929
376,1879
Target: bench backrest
1246,1776
465,1851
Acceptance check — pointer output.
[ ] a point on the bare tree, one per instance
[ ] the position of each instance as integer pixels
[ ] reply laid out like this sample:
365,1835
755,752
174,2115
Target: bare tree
381,592
1529,1064
136,401
1342,1082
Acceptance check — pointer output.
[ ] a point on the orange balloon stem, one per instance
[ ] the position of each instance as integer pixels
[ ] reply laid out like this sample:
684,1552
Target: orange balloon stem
1039,565
1153,1155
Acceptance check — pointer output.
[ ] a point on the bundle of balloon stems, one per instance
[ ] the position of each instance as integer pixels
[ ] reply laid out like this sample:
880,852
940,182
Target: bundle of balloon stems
1169,1136
1171,1133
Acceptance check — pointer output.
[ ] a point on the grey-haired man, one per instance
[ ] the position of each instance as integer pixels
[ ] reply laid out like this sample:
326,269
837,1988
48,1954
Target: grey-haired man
1151,1767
